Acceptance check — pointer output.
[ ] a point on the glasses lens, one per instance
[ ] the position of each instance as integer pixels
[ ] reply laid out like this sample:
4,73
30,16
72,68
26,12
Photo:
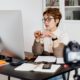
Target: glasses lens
47,19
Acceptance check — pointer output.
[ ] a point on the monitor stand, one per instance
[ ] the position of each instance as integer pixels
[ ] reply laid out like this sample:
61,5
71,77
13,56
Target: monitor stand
17,62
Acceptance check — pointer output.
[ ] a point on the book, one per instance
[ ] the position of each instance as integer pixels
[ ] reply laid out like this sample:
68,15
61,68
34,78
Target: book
37,67
66,2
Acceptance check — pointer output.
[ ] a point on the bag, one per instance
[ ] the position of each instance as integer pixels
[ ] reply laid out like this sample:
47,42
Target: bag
72,52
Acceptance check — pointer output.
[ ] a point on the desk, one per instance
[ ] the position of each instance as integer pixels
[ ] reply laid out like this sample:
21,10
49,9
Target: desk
27,75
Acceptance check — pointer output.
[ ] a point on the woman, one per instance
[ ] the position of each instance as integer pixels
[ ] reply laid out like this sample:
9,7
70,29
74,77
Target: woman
51,40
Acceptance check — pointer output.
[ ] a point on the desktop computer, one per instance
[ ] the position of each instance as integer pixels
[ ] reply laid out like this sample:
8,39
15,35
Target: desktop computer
11,31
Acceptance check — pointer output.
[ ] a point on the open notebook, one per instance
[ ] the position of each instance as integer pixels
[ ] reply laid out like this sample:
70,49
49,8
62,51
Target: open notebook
37,67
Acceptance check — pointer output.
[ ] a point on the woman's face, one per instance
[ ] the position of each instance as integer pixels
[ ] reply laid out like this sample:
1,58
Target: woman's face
50,23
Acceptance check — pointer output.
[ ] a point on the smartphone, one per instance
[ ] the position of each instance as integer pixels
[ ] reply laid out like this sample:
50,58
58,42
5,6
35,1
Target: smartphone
46,66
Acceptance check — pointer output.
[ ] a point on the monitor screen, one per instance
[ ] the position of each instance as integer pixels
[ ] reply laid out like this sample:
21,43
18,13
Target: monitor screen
11,31
73,56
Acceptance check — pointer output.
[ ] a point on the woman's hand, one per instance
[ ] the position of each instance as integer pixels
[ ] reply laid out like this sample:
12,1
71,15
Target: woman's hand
46,33
37,34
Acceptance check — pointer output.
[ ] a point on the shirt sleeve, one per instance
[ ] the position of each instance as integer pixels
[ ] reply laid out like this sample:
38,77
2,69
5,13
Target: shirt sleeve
64,38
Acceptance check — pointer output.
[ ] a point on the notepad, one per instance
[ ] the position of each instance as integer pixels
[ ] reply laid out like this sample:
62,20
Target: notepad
37,67
45,59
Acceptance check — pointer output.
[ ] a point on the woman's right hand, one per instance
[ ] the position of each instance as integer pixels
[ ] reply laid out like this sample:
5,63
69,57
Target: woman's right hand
37,34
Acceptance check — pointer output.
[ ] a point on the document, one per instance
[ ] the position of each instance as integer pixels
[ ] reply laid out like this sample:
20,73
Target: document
60,61
37,67
45,59
26,67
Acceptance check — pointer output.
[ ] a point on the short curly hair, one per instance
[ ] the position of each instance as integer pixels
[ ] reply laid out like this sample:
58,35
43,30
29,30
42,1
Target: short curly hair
55,12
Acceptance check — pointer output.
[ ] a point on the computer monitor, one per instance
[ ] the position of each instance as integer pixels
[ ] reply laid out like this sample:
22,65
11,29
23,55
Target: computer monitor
11,31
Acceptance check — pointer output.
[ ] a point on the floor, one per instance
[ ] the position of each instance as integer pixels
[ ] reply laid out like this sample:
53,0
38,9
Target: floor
2,77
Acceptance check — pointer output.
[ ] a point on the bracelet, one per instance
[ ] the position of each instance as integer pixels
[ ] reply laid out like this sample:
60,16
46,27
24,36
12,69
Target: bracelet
53,39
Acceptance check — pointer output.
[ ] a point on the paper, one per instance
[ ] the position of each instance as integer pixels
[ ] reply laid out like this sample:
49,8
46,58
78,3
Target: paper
36,67
53,68
60,61
45,59
26,67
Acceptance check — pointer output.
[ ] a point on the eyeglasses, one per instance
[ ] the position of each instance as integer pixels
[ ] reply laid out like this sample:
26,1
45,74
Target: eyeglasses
48,19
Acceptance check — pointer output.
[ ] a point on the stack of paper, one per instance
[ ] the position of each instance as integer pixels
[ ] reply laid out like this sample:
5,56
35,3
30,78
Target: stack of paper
36,67
45,59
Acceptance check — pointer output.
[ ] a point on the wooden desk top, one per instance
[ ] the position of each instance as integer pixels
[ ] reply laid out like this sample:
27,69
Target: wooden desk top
30,75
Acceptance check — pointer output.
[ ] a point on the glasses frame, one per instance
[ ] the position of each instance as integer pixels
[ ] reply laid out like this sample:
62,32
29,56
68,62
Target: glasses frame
47,19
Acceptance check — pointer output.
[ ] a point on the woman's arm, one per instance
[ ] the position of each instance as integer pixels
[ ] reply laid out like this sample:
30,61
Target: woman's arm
37,48
58,51
59,43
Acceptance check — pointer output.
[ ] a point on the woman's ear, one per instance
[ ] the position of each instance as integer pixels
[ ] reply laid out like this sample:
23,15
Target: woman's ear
57,21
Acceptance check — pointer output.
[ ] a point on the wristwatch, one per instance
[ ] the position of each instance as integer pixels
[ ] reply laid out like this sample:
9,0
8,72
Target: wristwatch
53,39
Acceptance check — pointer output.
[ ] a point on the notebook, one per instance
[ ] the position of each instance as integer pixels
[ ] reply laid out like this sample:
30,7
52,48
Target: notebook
37,67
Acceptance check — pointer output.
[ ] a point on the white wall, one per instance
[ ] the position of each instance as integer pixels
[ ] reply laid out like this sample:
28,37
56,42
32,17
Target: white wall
32,19
31,14
73,29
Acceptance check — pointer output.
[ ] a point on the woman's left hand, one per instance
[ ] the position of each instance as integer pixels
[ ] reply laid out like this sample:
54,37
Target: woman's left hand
46,33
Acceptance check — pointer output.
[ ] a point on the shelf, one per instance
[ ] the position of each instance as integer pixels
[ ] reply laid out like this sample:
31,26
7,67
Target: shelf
52,3
70,9
72,2
52,7
72,6
70,21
